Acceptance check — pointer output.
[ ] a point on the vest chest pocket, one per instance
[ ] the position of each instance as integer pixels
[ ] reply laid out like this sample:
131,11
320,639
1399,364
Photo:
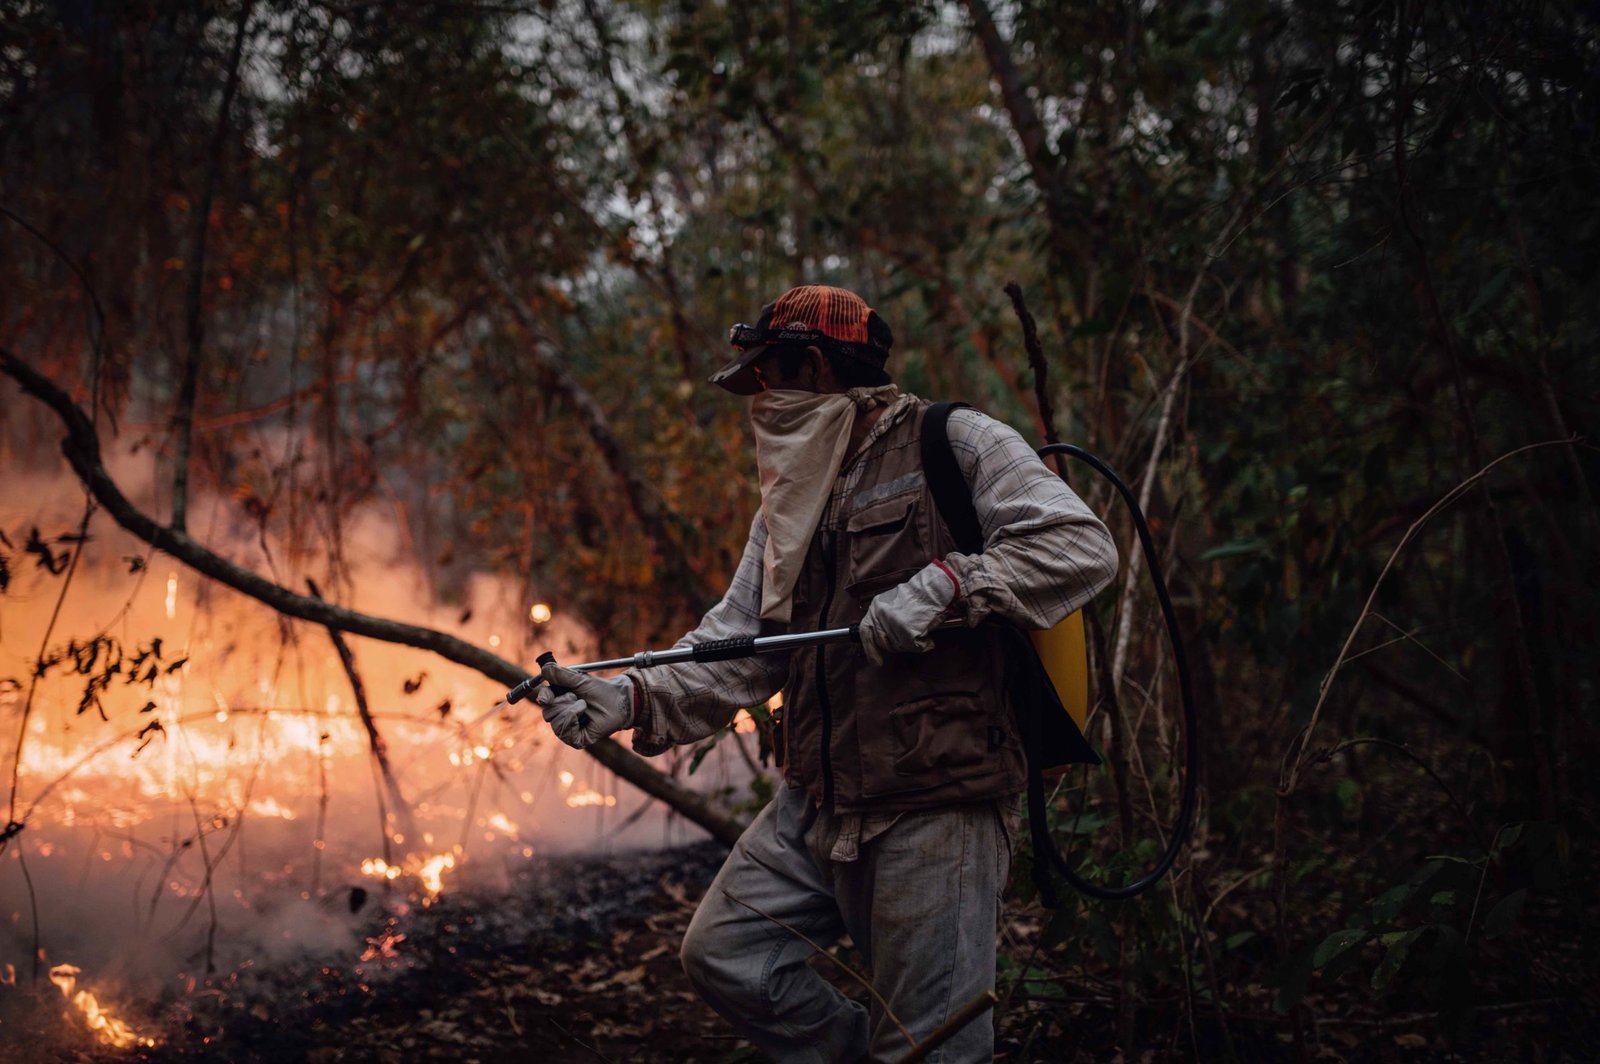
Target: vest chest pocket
887,546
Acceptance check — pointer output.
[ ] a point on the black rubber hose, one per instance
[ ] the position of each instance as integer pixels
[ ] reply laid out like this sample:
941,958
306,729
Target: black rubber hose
1191,744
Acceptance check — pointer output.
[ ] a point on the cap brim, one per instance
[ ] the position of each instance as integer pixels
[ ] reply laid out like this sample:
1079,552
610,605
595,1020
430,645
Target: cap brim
739,376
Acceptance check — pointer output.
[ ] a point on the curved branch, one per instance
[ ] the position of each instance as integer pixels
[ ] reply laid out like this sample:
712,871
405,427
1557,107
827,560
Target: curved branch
82,450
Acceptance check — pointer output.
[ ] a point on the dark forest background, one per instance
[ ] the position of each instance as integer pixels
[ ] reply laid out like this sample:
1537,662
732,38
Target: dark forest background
1303,272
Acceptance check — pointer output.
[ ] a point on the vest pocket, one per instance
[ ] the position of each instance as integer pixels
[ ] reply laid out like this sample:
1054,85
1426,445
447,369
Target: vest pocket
932,740
886,547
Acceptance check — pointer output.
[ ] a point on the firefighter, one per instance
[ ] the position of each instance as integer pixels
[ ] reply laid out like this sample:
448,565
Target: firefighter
895,819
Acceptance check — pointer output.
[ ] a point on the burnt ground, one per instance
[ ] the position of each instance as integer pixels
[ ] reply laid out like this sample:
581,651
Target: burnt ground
580,964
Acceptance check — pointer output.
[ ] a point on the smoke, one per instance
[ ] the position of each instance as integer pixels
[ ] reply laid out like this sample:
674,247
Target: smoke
217,802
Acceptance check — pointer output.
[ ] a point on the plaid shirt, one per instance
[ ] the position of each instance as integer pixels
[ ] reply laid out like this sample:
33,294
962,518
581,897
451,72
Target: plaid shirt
1045,555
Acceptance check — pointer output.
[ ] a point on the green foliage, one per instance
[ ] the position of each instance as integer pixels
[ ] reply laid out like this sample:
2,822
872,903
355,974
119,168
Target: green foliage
1433,933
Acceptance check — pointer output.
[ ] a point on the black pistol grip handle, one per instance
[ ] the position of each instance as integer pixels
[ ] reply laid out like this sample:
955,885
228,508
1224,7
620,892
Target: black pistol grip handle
740,646
531,684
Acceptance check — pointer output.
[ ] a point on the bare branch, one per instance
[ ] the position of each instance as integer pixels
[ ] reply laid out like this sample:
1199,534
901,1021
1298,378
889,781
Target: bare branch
380,752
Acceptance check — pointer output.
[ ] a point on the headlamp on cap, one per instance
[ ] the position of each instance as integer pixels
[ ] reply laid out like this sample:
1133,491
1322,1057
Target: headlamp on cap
833,319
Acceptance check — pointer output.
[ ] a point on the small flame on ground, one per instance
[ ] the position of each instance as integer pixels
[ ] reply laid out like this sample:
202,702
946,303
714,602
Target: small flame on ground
172,595
111,1030
270,806
589,796
584,795
430,871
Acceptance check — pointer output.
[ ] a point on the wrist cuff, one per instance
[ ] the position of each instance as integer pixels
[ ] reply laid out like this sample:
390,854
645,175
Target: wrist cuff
955,599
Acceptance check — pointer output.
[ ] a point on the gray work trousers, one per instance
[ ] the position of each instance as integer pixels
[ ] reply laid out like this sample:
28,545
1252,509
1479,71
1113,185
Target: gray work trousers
921,901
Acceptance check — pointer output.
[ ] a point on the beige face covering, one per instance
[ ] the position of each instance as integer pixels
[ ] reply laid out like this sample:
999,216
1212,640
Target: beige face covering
801,440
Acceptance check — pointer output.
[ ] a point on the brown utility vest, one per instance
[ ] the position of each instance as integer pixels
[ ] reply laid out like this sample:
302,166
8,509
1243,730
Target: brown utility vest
921,730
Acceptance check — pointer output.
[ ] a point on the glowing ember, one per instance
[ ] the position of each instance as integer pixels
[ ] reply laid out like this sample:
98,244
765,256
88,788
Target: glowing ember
503,824
540,613
383,947
111,1030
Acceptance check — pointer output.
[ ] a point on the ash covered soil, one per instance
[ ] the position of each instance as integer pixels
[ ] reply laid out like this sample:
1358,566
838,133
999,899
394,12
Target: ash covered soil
579,963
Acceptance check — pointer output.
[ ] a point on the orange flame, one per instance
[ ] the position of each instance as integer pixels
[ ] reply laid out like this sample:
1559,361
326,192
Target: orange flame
112,1031
429,870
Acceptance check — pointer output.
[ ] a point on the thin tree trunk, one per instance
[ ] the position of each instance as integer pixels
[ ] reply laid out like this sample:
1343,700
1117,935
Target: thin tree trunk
195,300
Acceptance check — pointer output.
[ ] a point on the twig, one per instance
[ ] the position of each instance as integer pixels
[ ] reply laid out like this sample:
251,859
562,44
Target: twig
1036,362
380,752
1229,889
1169,399
951,1027
1294,758
578,1040
1483,877
887,1011
1420,763
1412,637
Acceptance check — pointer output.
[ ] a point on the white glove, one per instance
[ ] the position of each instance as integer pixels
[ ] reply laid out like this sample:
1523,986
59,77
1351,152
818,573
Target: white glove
900,620
588,709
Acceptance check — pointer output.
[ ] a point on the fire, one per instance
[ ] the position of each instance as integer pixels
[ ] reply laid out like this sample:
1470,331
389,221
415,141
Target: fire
432,872
429,870
111,1030
584,795
270,807
589,796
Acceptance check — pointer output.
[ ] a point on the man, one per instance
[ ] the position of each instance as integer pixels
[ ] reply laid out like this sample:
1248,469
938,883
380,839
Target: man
894,820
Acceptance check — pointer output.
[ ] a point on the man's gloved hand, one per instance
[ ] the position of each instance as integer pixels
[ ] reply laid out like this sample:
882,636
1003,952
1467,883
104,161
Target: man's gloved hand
900,620
589,709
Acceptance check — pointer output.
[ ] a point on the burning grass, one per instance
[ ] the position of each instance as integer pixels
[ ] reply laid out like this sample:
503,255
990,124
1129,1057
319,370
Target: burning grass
200,838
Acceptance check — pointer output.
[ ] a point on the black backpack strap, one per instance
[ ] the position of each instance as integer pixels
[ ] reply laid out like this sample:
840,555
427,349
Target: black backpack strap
1030,689
950,491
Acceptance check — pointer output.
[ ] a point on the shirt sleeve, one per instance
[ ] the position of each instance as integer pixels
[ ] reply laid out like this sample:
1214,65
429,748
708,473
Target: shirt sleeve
1045,553
679,704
